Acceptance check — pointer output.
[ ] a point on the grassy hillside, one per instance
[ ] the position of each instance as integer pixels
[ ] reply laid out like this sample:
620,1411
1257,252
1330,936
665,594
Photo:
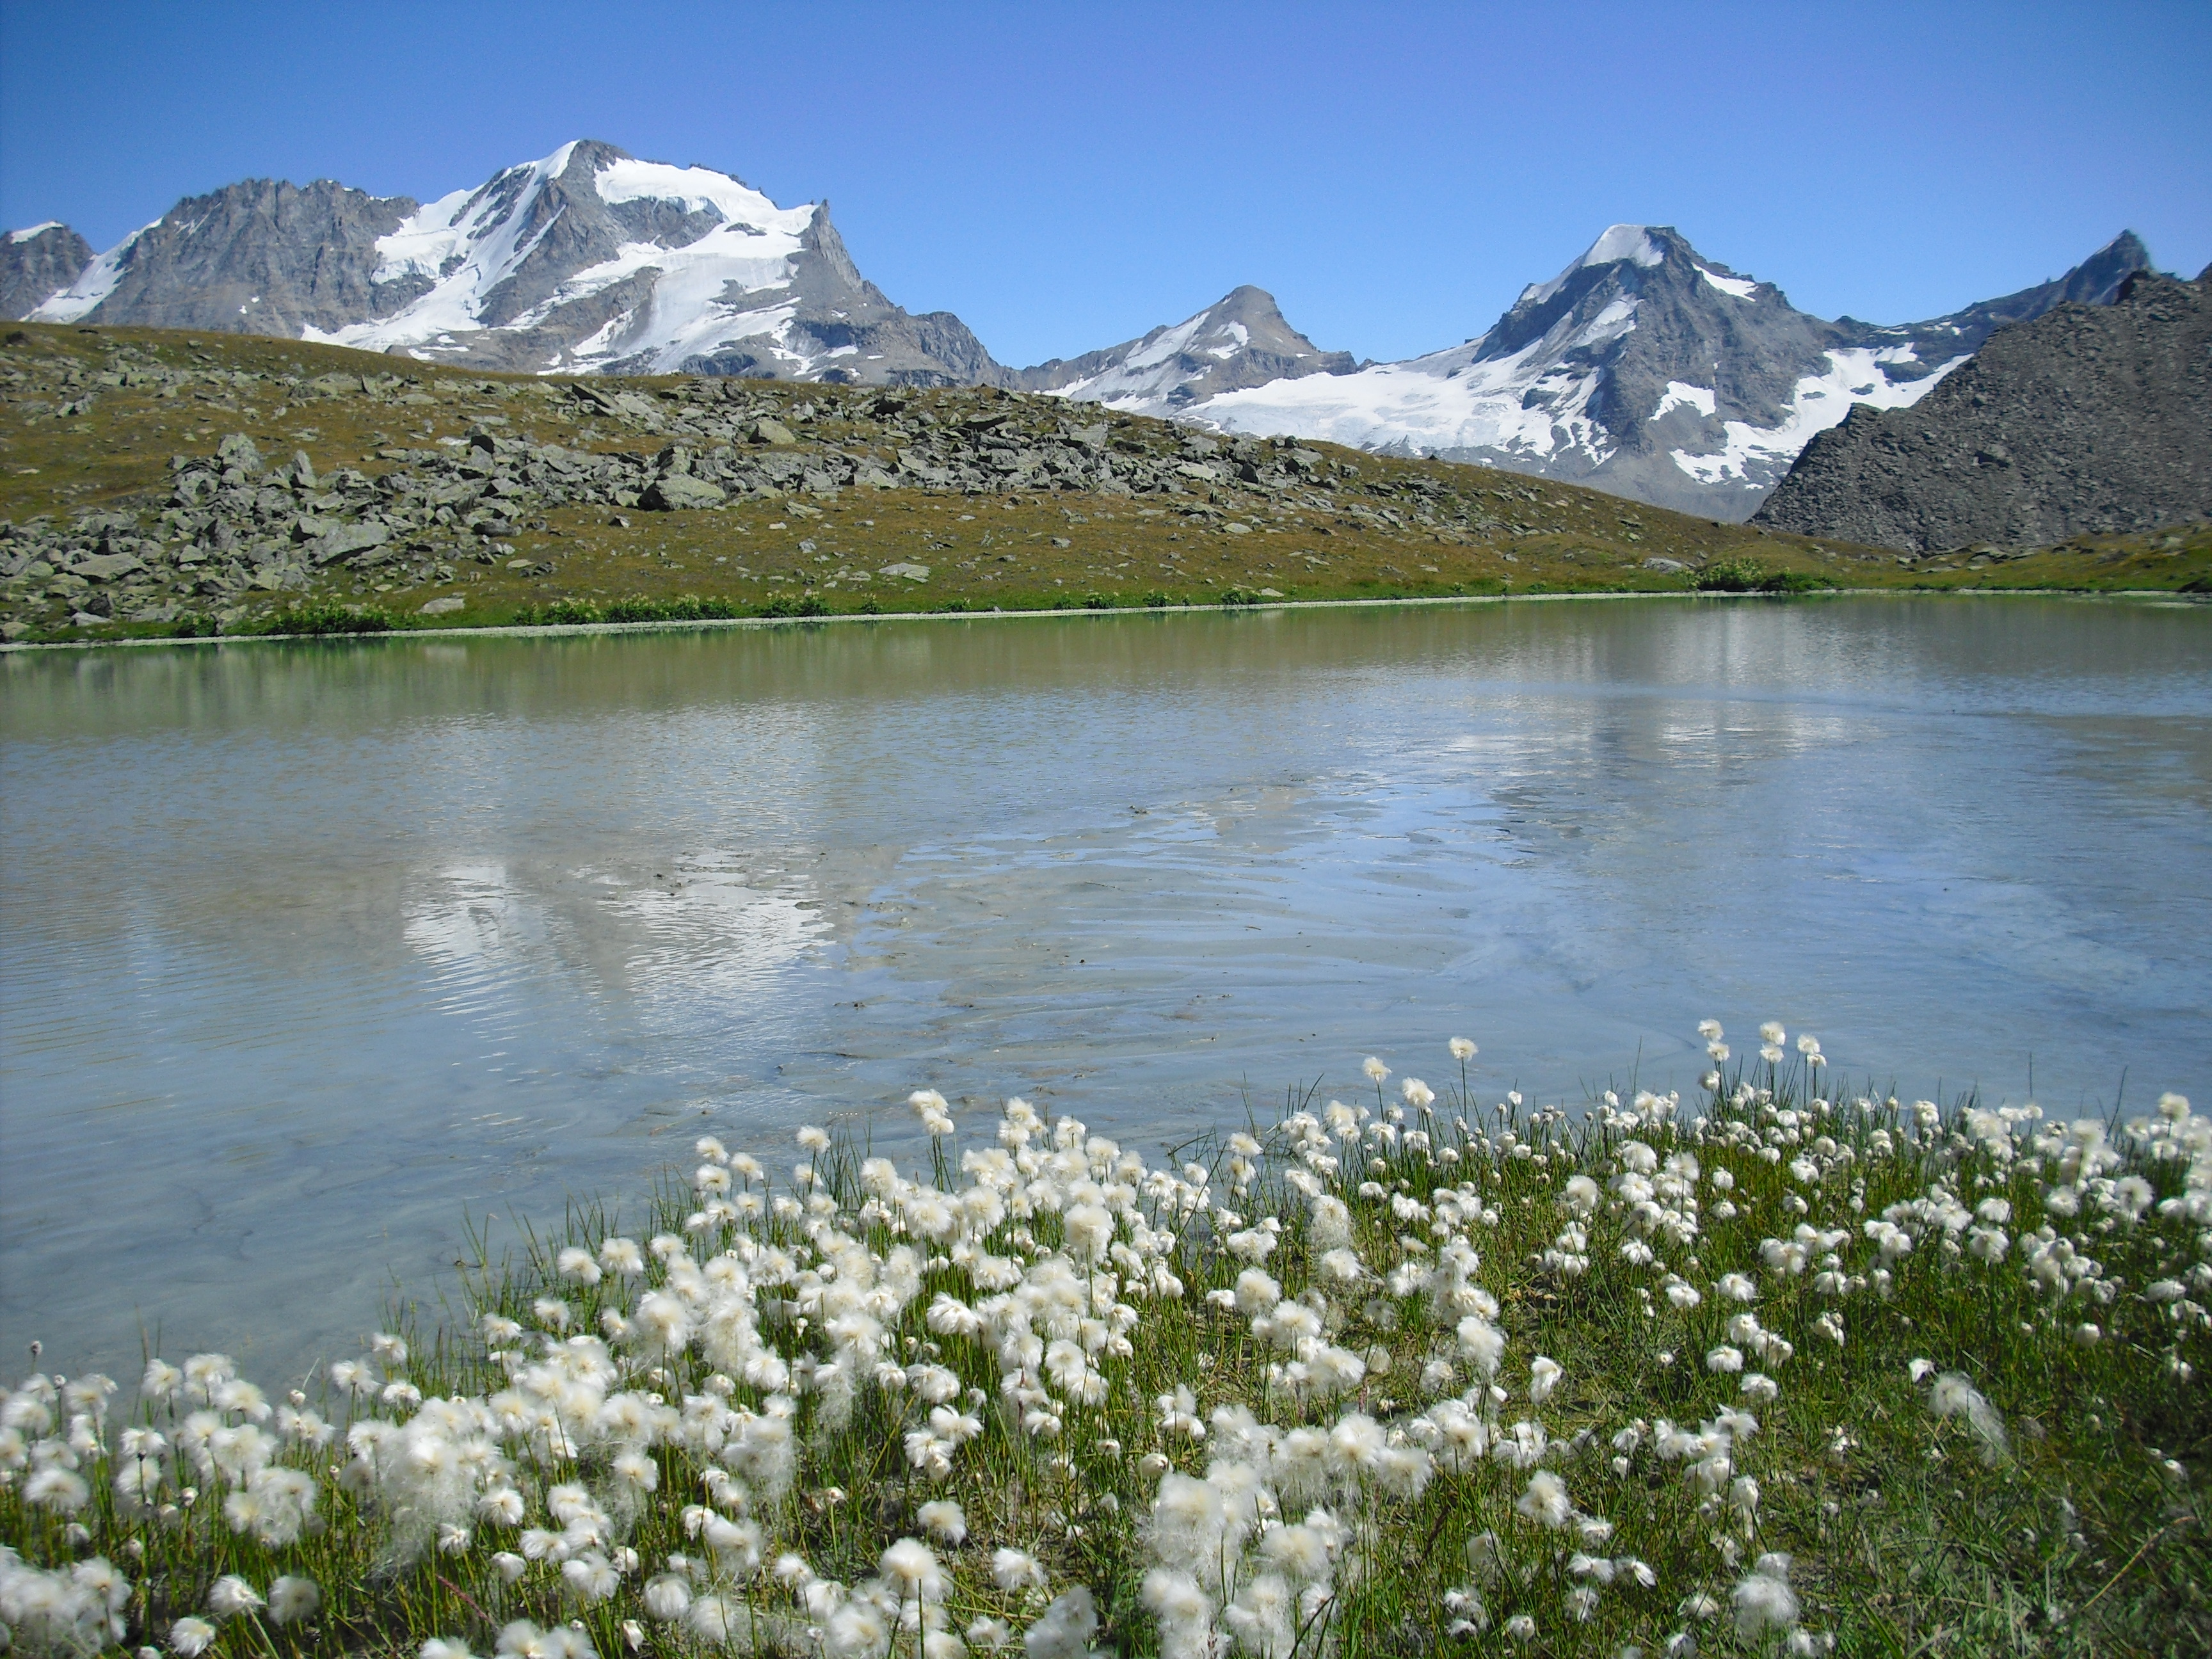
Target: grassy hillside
377,487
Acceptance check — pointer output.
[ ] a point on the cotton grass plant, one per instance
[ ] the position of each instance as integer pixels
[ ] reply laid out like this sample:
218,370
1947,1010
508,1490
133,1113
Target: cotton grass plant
1765,1371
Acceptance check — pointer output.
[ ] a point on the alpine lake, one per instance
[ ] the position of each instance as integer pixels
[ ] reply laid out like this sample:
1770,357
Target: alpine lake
326,963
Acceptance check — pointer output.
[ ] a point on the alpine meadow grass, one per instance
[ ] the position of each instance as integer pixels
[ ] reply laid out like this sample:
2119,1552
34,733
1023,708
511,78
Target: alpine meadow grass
1771,1369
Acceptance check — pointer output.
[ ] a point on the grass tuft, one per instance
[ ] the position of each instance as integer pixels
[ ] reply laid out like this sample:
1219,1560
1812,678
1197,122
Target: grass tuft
313,616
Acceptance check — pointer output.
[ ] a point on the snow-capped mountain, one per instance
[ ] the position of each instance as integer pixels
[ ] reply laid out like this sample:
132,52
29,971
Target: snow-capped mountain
587,260
38,262
1239,340
1642,367
1647,369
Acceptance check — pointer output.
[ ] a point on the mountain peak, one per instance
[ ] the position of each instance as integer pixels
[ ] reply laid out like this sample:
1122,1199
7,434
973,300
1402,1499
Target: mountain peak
2097,279
1633,243
1240,340
1636,245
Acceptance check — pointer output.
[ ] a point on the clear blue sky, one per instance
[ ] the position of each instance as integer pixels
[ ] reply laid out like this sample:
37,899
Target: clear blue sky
1065,176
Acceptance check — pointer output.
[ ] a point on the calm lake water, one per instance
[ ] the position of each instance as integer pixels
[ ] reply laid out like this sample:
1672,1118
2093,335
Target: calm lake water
314,954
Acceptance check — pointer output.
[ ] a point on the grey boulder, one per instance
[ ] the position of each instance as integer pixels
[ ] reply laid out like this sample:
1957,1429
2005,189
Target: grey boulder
351,538
106,567
678,492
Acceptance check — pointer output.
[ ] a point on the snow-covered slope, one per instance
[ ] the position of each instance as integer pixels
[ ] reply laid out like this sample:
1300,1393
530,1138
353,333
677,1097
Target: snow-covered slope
1240,340
586,259
1645,369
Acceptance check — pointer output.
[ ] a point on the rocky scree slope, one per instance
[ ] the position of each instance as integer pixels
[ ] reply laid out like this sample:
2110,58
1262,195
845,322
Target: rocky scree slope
528,490
2088,420
588,259
1648,370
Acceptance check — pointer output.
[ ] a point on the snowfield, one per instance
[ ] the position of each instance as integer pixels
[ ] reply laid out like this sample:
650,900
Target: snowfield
1528,405
1739,288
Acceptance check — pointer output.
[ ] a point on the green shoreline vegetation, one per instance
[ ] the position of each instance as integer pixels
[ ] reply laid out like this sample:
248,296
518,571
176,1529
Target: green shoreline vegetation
156,484
1780,1367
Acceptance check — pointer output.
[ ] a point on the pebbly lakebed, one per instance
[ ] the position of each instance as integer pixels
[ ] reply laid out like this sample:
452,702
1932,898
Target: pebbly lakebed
312,954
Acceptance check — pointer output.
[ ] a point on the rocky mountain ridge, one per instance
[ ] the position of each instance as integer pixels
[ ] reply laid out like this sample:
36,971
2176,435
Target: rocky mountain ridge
237,526
1644,368
587,260
2089,419
1648,370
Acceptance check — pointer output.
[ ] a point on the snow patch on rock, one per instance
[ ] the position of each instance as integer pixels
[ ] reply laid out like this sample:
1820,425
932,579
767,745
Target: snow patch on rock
1679,396
696,188
1753,457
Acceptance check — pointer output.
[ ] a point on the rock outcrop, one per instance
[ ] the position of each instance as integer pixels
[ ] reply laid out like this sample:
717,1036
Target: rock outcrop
237,526
2088,419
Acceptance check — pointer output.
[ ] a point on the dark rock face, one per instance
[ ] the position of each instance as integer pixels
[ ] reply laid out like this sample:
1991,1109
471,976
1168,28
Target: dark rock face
588,260
261,257
36,263
2089,418
1240,340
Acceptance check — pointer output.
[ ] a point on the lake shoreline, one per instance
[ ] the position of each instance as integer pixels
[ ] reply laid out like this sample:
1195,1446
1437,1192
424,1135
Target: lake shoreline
556,630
